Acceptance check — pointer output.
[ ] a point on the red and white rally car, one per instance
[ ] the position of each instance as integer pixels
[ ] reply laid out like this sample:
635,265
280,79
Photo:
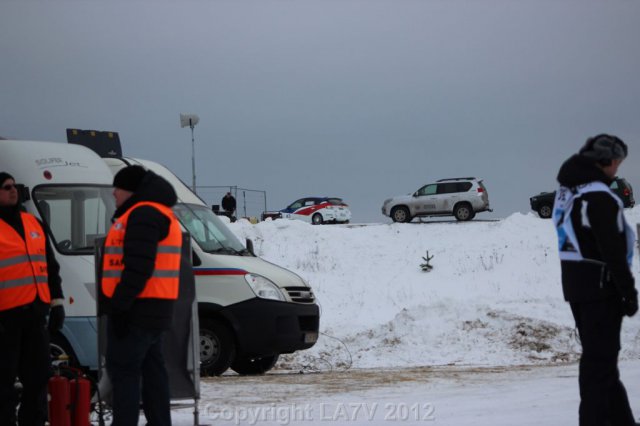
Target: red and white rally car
318,210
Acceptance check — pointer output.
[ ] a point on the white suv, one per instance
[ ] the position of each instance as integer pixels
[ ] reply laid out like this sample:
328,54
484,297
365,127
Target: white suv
460,197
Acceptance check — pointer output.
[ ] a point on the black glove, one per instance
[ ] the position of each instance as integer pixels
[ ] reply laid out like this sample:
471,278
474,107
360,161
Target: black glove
120,322
630,305
56,318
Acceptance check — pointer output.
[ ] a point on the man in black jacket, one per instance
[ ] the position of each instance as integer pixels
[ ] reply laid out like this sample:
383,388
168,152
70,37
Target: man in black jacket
596,248
25,301
139,287
229,205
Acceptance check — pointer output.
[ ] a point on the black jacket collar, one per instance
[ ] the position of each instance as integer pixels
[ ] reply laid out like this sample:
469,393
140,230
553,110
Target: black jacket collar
579,170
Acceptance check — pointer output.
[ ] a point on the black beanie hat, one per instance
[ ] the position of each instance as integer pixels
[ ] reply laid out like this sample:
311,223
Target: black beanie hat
129,178
4,176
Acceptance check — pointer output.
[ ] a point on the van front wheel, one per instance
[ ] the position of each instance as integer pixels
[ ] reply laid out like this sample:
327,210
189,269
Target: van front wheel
253,366
60,350
217,347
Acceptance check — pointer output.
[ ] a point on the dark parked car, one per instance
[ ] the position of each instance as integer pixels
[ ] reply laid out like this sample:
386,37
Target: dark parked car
543,202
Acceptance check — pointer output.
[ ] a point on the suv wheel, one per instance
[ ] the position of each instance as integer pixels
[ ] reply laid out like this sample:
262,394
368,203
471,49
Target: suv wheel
544,211
463,212
400,214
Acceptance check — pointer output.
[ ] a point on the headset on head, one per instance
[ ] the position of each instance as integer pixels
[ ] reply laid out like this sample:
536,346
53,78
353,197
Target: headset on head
604,148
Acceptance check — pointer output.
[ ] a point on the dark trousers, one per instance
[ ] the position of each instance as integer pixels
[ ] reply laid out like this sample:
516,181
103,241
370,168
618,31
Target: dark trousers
135,361
24,354
603,398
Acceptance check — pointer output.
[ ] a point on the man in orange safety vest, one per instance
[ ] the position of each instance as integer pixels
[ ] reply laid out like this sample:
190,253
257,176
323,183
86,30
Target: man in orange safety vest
139,285
30,289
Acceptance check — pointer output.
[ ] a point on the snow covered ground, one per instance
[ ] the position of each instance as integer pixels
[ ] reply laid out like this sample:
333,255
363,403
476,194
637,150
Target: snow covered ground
530,396
484,338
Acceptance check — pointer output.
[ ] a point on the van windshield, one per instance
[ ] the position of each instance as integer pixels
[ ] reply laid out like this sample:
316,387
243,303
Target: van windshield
211,234
75,214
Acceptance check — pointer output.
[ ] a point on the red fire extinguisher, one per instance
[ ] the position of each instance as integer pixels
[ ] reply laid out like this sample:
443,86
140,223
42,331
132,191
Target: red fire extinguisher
80,401
69,400
59,401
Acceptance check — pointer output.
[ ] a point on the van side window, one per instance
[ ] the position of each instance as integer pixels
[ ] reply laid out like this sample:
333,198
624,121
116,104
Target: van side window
75,215
207,229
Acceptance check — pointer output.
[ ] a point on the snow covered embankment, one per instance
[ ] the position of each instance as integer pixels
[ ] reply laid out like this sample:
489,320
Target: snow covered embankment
492,298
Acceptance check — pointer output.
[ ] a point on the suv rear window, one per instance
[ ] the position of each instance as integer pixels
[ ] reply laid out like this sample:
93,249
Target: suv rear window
464,186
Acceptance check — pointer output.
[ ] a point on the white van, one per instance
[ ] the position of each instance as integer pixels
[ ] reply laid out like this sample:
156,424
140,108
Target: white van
250,310
69,188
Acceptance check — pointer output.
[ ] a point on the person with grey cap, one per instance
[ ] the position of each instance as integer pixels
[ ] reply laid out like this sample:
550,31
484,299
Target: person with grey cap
30,288
139,287
596,248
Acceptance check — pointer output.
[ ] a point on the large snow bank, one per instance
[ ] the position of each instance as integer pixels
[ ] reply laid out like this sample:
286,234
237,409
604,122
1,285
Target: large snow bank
492,298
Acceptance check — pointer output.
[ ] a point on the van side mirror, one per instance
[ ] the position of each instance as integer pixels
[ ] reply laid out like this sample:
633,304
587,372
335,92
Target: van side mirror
195,259
250,247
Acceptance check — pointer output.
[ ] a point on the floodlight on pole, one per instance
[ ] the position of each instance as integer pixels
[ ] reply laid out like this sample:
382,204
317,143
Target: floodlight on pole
190,120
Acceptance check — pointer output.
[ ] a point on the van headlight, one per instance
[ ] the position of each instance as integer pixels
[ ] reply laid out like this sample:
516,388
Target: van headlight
263,287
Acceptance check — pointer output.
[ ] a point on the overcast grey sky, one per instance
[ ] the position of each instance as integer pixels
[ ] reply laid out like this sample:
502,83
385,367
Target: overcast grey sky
358,99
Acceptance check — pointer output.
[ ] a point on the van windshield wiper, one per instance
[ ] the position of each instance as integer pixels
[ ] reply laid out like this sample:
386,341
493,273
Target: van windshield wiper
229,250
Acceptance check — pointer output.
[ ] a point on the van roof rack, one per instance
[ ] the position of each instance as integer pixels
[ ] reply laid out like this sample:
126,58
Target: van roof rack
460,178
105,144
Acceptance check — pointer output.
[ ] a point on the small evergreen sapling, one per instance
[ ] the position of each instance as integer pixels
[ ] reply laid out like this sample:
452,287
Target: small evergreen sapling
426,266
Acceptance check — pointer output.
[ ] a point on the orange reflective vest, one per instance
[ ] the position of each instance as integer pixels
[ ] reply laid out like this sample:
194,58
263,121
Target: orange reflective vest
23,264
164,282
